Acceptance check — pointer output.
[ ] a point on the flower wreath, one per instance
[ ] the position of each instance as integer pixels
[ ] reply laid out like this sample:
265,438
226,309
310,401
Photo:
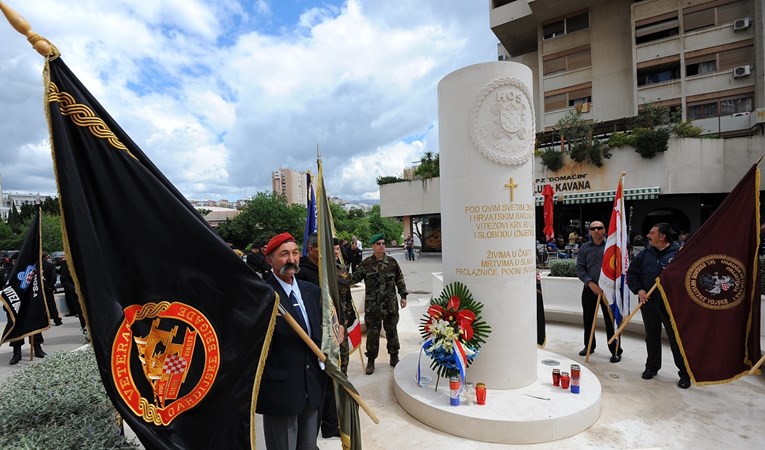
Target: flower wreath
453,331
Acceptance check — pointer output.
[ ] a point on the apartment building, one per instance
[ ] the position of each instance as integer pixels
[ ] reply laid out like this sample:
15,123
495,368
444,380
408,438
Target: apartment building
290,183
607,58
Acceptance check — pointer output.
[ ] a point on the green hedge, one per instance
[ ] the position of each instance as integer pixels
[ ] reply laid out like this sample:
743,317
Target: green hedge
562,267
59,403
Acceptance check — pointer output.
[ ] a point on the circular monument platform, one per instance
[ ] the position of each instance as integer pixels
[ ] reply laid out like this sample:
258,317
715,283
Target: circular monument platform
539,412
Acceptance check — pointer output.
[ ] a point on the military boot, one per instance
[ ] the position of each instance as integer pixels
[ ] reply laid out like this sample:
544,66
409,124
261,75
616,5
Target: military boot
393,360
370,366
39,353
16,356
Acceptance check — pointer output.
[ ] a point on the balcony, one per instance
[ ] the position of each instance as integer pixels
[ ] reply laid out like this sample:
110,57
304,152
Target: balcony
515,27
660,91
658,49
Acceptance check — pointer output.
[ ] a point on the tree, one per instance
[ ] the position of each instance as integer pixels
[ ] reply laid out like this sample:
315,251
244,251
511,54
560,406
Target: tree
393,229
50,205
50,228
429,166
264,216
6,234
14,219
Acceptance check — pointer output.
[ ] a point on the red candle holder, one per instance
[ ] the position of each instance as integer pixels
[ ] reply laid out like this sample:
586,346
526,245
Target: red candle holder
565,379
480,393
556,377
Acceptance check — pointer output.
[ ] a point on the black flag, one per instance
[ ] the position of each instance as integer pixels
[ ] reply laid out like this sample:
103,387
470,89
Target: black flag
179,323
23,295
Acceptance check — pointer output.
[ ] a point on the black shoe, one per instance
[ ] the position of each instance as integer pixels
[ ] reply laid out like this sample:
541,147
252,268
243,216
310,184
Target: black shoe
16,357
70,315
584,352
370,366
331,434
684,383
615,358
39,353
58,324
393,360
648,374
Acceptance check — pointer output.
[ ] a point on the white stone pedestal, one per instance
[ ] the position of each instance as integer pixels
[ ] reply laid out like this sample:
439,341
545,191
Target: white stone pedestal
510,416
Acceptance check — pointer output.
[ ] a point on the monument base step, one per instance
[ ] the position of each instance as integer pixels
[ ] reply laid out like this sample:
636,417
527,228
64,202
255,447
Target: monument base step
539,412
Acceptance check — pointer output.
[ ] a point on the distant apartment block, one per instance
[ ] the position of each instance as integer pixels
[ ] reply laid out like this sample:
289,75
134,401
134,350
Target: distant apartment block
291,184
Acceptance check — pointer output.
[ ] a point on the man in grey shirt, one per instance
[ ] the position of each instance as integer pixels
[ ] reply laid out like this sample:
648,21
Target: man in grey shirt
588,265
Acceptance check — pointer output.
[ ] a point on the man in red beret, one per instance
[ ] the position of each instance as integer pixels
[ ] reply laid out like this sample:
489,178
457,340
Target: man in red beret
291,388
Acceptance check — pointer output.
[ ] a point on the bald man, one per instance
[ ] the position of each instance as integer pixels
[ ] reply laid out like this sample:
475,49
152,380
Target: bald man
588,265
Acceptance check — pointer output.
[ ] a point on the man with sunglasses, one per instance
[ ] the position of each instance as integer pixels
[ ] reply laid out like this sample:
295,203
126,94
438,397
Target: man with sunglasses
382,276
588,265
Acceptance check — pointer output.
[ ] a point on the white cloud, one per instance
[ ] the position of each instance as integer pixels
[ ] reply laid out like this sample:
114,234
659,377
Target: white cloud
218,101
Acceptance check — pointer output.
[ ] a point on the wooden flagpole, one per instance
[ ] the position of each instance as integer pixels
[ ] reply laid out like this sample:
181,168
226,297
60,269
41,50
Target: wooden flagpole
757,365
361,355
592,330
39,43
611,317
628,318
322,357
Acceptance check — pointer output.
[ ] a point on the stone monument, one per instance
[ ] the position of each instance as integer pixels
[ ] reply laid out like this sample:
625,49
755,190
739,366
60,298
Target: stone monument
487,210
486,132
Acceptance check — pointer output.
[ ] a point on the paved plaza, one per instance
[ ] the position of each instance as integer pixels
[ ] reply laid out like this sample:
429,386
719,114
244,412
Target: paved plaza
636,414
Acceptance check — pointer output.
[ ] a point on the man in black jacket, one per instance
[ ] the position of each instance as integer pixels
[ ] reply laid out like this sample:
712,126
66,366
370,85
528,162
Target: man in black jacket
641,276
257,260
292,385
49,281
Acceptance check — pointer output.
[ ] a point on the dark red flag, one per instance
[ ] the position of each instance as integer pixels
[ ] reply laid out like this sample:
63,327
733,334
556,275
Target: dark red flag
712,289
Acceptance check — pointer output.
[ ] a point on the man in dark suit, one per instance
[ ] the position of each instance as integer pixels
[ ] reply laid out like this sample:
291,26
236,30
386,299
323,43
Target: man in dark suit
291,388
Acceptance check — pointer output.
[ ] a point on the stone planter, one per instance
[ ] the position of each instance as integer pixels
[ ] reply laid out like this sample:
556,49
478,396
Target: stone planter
563,302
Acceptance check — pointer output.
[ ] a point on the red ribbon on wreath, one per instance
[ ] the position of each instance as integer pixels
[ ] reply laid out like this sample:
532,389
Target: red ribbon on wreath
452,314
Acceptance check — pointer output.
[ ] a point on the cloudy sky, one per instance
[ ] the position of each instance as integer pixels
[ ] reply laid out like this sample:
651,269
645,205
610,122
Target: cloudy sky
218,93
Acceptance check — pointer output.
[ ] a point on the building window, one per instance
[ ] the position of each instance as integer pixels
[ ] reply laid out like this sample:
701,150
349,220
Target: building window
568,97
658,74
702,111
656,28
736,57
573,59
699,17
701,67
736,105
565,26
726,107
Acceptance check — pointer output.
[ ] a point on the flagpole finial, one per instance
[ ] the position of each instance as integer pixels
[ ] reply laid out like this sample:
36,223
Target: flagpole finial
39,43
624,173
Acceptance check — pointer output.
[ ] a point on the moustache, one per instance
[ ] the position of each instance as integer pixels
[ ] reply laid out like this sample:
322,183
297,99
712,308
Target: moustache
289,266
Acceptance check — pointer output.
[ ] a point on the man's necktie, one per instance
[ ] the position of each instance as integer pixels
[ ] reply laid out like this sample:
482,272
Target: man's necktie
298,314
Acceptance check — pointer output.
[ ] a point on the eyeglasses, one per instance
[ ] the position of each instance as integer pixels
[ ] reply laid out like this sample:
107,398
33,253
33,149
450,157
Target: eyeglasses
379,243
596,228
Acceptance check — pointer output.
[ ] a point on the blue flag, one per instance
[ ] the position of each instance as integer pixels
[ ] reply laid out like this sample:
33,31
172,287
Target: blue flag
310,219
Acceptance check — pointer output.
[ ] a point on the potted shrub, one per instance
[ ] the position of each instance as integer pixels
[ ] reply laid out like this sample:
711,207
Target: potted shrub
561,289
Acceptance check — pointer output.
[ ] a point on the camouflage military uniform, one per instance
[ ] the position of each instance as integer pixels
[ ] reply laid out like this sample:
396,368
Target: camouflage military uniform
382,278
349,313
